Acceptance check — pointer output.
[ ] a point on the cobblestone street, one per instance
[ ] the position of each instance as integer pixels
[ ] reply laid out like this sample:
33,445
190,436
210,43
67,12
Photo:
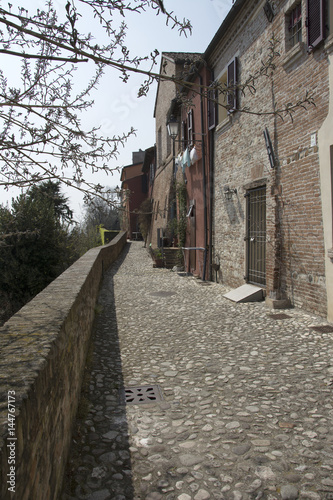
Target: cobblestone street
246,408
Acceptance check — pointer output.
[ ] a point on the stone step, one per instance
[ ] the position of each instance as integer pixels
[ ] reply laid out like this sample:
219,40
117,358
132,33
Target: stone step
245,293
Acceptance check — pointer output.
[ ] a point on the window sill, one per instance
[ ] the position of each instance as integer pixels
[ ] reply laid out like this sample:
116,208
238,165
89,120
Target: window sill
222,127
293,55
329,44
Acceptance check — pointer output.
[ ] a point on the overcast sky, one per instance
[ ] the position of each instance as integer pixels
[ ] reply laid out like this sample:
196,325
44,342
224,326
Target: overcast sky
117,107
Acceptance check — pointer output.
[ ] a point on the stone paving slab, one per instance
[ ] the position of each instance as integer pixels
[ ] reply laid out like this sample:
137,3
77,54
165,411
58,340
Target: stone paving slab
247,405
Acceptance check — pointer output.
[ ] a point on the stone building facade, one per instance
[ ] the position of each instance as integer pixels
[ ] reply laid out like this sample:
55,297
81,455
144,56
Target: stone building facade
172,65
268,209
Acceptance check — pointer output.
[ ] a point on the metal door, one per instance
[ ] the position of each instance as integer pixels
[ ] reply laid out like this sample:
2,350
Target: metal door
256,236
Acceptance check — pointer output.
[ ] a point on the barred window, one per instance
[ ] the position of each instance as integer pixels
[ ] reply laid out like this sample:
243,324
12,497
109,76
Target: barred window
295,25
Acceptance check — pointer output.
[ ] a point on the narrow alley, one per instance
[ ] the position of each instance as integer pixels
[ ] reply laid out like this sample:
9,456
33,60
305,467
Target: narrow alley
188,395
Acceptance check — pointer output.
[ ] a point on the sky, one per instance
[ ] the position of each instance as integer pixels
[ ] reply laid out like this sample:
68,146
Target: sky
116,106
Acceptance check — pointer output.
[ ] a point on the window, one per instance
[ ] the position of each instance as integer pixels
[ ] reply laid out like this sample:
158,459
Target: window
315,22
228,99
152,172
295,26
168,144
159,147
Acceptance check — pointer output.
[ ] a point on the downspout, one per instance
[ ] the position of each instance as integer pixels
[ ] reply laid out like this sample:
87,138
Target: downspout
211,195
203,179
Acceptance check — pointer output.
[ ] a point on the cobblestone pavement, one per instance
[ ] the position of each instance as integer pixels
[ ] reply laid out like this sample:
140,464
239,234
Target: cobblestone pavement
247,410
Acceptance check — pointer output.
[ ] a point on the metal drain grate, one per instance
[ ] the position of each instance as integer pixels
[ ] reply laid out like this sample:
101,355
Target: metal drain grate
279,316
142,394
323,328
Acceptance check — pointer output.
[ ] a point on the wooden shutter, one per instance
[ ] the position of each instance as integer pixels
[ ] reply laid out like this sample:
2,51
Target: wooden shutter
211,106
315,22
190,127
184,135
231,82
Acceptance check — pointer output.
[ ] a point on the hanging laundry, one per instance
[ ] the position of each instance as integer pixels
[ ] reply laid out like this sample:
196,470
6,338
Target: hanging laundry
186,158
194,155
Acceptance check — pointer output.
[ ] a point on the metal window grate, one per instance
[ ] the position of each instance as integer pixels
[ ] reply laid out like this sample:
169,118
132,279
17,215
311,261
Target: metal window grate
143,394
256,236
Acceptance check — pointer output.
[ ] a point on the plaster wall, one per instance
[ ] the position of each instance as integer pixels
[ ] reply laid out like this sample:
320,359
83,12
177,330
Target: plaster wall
325,142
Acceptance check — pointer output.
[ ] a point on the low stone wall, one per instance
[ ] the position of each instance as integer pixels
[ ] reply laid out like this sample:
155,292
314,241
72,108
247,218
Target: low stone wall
43,350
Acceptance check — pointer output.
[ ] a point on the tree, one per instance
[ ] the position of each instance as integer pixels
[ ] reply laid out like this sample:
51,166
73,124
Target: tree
36,246
100,211
41,137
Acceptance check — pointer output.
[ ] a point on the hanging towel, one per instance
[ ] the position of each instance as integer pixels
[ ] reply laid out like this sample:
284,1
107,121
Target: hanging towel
186,158
194,155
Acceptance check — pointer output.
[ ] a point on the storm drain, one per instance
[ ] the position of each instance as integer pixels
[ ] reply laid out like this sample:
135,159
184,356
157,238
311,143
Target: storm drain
323,328
142,394
279,316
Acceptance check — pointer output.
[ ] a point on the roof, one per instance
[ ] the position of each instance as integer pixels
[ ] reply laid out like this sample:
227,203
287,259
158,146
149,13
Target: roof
178,58
127,168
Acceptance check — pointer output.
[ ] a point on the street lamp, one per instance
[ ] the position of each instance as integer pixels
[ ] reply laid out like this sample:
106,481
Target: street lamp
172,126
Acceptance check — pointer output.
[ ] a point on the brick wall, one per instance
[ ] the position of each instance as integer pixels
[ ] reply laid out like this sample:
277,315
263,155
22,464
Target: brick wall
43,352
295,247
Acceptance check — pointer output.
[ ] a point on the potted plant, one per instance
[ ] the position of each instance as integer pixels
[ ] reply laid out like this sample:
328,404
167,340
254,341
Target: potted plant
157,256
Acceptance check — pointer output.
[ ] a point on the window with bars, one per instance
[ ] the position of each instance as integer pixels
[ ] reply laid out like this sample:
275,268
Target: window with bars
295,25
315,19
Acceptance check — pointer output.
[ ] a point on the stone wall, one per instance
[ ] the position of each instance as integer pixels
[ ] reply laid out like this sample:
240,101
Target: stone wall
43,353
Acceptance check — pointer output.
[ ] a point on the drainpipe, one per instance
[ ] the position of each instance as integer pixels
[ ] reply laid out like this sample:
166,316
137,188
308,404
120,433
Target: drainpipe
211,195
203,178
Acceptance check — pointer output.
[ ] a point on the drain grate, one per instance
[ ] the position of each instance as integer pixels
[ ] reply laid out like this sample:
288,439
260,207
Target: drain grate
142,394
279,316
323,328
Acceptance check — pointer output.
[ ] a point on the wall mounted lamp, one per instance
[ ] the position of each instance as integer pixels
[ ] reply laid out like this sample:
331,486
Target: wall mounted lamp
172,127
229,192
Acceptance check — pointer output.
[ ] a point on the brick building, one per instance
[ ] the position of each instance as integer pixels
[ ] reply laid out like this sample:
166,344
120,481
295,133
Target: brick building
134,190
259,195
164,210
195,145
272,176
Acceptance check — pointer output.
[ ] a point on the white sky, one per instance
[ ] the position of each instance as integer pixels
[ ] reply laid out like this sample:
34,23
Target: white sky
117,107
